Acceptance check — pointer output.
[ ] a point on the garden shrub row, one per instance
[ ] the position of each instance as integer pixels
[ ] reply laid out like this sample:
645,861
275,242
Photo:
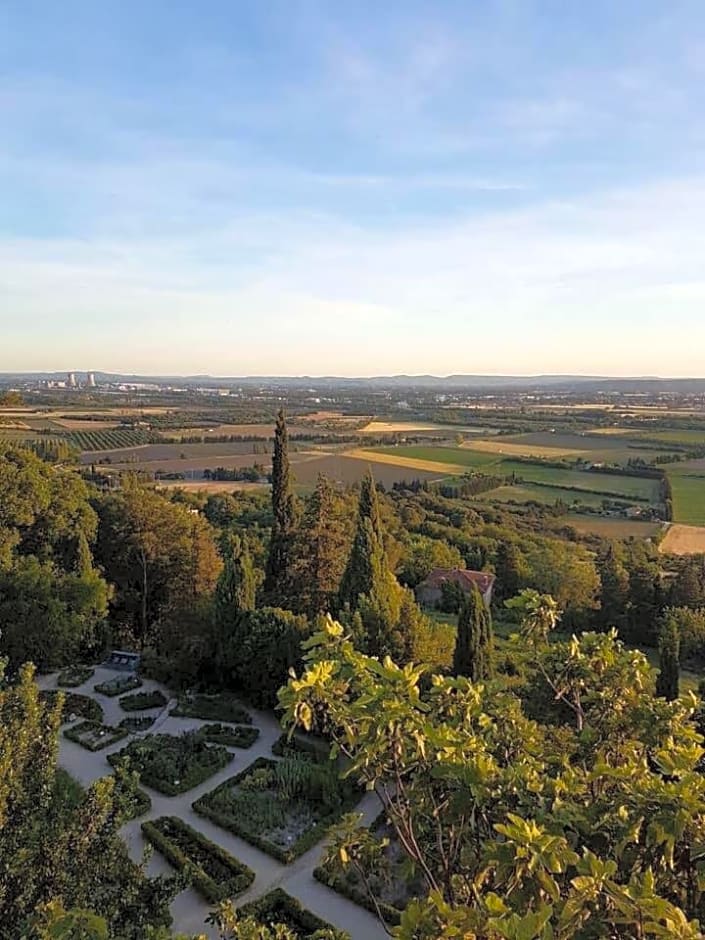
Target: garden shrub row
118,685
278,907
316,749
102,736
173,765
356,894
136,723
82,706
142,700
216,874
141,804
230,735
240,824
221,707
73,676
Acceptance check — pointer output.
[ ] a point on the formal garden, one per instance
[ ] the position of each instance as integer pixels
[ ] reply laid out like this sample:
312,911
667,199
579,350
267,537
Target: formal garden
282,807
93,735
75,705
242,736
215,873
221,707
141,701
278,907
73,676
171,764
118,685
137,724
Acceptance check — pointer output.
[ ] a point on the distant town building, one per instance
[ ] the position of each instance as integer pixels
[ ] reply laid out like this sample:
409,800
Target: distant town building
71,380
90,380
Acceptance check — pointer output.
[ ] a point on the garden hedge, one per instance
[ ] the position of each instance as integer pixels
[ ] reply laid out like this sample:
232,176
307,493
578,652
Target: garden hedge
337,883
142,700
318,749
75,704
118,685
279,907
113,734
136,723
212,707
286,855
194,775
211,890
233,736
73,676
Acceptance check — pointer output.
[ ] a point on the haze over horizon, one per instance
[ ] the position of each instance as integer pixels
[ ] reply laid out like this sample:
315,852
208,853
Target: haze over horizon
286,189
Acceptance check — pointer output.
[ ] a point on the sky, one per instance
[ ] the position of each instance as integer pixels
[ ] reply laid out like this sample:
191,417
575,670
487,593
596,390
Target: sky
296,187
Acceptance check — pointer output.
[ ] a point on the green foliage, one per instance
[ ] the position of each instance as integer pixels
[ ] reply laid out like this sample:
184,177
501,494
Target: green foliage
223,707
94,736
118,685
142,700
277,907
235,590
278,573
669,659
73,676
172,765
215,873
137,723
584,821
473,645
229,735
74,704
614,591
539,615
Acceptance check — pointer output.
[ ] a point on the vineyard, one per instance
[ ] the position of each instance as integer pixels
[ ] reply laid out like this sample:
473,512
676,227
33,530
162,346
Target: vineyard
112,438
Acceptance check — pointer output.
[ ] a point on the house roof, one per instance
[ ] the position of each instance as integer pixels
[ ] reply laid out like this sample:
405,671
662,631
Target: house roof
482,580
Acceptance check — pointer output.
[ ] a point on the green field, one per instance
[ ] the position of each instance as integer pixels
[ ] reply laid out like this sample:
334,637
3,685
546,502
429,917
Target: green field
688,495
619,486
525,493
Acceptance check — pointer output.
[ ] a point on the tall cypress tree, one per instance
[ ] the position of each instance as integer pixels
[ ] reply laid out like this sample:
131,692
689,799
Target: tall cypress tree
277,581
235,590
472,656
367,556
614,591
668,678
320,551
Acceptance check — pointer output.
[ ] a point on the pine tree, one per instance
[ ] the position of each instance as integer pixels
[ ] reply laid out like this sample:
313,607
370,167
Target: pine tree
669,660
367,553
320,551
277,581
473,647
614,591
507,571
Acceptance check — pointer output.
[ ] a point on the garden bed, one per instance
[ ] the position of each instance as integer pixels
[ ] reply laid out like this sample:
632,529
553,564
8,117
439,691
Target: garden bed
221,707
142,700
281,807
93,735
230,735
278,907
315,748
216,874
73,676
173,765
118,685
141,803
137,723
75,705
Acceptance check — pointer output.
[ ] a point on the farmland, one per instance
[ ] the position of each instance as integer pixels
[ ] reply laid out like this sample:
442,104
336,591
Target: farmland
684,540
688,485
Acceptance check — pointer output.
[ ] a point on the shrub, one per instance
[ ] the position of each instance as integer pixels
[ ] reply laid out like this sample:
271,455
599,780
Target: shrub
216,874
278,907
233,736
355,893
136,723
170,764
118,685
93,735
223,707
142,700
75,705
141,804
72,676
316,749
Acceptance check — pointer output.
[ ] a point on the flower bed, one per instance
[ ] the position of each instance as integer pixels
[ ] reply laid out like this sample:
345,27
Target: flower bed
137,723
93,735
221,707
216,874
283,808
142,700
75,705
230,735
73,676
118,685
278,907
173,765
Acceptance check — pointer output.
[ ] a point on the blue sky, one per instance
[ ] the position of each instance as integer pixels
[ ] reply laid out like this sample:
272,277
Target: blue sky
232,187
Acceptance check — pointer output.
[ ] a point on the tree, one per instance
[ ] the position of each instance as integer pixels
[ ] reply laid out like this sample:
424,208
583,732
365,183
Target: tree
520,829
508,571
688,589
320,551
473,646
367,553
277,578
669,659
614,591
643,608
539,615
235,590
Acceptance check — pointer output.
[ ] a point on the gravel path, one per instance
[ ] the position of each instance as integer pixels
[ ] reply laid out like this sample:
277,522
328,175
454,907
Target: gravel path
188,908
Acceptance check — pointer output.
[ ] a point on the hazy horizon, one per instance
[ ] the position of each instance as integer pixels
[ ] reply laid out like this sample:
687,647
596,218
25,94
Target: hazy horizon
293,189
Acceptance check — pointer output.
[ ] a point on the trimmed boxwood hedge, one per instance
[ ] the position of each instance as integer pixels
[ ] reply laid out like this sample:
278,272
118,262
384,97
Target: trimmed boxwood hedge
230,735
75,732
142,803
278,907
142,700
239,827
73,676
174,838
317,749
222,707
135,723
75,704
156,748
118,685
391,915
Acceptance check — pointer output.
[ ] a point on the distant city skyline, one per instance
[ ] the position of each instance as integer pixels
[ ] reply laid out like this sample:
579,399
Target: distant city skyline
300,188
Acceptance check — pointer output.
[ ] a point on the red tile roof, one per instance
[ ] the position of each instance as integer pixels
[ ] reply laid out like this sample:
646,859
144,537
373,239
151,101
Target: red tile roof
483,580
